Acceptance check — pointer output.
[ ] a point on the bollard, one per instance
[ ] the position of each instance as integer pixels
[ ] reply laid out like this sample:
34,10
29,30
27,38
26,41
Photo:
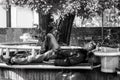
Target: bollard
7,53
1,51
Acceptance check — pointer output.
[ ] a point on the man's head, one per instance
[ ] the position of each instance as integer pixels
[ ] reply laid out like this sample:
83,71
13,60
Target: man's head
54,31
90,46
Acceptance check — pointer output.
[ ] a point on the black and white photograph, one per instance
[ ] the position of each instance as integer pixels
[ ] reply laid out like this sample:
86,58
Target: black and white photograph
59,39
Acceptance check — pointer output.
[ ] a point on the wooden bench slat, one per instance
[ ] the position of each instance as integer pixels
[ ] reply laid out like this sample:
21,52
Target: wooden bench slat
41,66
35,47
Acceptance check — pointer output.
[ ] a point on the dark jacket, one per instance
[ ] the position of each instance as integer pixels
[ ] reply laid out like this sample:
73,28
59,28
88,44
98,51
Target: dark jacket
69,58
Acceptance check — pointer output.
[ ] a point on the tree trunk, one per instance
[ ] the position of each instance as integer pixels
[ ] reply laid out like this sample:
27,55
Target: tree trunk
44,21
65,26
65,29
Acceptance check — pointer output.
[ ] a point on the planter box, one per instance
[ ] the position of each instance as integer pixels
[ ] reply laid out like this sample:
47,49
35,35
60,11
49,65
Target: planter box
109,59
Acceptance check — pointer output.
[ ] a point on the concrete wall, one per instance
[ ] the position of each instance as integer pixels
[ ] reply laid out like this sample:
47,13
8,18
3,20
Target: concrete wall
12,34
79,36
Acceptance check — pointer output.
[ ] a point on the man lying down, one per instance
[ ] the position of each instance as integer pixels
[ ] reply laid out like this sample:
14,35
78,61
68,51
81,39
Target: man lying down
51,51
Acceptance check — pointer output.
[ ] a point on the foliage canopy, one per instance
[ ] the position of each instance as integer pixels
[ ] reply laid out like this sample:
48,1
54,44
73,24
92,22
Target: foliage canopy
80,7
